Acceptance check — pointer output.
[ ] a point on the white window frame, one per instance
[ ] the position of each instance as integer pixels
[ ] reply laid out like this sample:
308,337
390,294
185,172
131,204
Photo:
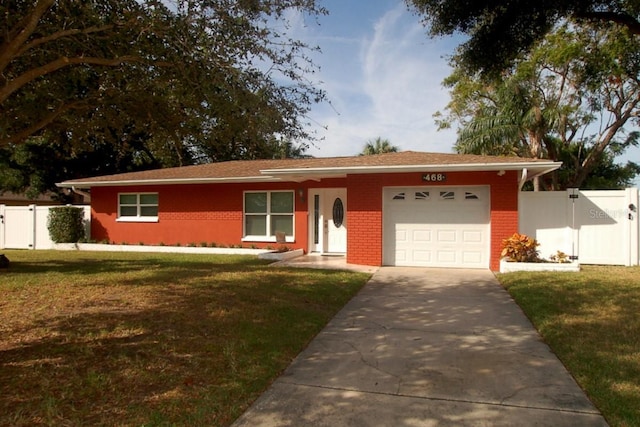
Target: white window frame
138,217
268,237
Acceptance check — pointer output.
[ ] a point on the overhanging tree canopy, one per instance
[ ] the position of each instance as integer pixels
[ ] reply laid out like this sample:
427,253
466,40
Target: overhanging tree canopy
569,99
195,80
501,30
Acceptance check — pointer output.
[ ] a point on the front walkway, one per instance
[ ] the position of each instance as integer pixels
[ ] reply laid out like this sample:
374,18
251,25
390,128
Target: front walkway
326,262
426,347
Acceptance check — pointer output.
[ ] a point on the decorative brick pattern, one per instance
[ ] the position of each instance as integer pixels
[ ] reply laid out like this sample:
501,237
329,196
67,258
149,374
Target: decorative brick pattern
364,236
212,213
188,214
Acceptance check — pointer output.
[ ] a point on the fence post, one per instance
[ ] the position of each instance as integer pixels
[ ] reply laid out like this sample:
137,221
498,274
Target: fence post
32,229
572,200
2,226
634,237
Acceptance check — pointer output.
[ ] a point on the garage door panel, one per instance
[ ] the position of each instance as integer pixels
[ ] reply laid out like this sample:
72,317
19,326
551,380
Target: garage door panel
446,256
446,236
472,236
420,256
421,236
472,257
437,227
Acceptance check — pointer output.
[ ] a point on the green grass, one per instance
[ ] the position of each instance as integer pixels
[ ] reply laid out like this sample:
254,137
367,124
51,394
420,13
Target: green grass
591,320
152,339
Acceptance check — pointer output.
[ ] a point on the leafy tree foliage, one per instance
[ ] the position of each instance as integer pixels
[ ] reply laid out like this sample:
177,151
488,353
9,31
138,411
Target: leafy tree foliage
378,146
569,100
607,174
499,31
36,165
153,82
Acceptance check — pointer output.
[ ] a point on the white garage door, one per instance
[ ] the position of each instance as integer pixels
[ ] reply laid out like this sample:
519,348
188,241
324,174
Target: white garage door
436,227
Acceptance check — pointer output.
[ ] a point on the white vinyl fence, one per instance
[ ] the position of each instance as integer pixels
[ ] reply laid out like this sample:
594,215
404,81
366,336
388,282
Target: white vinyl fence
594,227
25,227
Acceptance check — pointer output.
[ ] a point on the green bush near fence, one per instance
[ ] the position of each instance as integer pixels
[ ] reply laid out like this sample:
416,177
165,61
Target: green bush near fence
66,224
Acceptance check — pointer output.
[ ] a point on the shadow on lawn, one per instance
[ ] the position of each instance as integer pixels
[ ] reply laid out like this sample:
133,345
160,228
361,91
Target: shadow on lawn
110,264
188,344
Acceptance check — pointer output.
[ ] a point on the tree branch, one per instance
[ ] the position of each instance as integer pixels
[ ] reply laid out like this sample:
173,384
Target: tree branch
59,63
61,34
46,121
19,34
619,18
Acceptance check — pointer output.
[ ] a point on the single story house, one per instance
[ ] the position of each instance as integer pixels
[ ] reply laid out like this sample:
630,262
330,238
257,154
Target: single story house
404,209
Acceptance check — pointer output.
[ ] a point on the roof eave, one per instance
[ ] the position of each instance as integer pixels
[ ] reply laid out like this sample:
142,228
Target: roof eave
541,167
146,182
302,174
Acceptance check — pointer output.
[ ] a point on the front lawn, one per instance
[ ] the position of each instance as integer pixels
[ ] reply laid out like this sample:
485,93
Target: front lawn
591,320
152,339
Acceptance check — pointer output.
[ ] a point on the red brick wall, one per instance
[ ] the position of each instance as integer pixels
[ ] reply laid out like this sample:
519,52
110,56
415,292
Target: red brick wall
364,210
188,214
191,214
364,216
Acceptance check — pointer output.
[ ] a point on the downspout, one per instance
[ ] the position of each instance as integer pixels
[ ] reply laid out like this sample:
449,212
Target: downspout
87,196
523,178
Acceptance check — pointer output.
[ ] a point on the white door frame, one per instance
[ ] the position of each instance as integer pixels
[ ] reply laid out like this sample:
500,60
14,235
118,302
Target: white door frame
319,214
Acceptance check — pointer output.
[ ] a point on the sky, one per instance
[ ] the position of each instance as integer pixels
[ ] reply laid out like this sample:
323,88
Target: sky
383,77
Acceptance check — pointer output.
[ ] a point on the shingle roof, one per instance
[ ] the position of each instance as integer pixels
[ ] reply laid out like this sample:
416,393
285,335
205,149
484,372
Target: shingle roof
266,170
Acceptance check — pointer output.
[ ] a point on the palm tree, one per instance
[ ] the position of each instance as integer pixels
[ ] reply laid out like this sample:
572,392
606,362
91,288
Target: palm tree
378,146
517,121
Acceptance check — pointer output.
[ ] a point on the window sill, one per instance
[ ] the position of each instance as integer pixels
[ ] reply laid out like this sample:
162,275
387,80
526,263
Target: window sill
266,239
137,219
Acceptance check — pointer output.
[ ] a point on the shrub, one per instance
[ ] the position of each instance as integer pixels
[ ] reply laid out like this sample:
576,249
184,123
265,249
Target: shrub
66,224
560,257
520,248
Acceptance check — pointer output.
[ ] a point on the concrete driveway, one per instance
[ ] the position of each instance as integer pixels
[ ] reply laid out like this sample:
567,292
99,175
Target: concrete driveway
426,347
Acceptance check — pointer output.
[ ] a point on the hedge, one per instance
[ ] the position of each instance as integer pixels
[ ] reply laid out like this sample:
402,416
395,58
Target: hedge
66,224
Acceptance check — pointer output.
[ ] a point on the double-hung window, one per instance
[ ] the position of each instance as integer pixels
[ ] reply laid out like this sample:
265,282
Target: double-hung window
140,207
268,212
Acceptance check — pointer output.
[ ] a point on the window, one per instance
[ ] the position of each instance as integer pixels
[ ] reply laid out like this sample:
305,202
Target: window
422,195
399,196
470,196
142,207
267,212
338,213
447,195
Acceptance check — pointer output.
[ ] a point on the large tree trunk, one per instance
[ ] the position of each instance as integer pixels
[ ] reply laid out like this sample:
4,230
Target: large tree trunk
535,149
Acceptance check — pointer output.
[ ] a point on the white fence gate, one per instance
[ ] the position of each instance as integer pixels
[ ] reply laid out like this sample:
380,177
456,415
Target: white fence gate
25,227
595,227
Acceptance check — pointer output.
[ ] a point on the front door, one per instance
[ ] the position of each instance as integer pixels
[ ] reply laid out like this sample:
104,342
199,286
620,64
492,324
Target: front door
335,220
328,221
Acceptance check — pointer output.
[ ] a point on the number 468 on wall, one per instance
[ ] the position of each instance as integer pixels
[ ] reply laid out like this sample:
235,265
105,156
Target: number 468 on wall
434,177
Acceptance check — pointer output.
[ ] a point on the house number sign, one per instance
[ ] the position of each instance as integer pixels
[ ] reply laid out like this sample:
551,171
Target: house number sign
434,177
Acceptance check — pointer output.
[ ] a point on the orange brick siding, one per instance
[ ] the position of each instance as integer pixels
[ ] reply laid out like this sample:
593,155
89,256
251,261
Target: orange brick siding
364,213
212,213
364,210
194,214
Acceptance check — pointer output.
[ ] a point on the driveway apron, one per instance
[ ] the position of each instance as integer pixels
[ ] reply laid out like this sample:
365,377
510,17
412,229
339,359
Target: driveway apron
426,347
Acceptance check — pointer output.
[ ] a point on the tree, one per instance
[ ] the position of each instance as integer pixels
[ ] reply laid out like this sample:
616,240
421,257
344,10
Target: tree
378,146
500,31
197,81
607,174
35,166
578,80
